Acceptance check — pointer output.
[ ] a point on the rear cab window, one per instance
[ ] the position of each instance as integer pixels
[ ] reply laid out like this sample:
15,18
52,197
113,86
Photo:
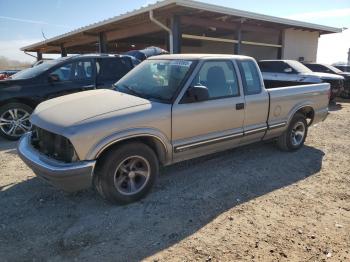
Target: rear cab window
250,77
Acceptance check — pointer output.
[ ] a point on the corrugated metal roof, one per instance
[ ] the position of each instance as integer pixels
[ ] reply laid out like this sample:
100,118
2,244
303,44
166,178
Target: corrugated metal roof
195,5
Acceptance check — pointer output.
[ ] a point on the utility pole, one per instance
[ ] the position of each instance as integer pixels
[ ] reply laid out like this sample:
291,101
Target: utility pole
349,57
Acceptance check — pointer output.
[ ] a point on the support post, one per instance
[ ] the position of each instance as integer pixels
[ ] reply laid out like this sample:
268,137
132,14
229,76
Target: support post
63,51
280,42
176,32
237,48
102,43
39,56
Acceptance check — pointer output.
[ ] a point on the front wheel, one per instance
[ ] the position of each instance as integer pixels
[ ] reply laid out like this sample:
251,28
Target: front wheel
126,173
294,137
14,120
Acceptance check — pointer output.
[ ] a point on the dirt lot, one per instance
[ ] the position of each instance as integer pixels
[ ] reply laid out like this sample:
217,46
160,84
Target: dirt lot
248,204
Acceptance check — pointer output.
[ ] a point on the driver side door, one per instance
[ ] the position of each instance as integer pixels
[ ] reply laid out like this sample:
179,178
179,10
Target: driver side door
200,128
72,77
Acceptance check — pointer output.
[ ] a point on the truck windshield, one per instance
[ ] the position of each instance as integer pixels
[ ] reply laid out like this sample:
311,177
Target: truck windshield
299,67
36,70
156,79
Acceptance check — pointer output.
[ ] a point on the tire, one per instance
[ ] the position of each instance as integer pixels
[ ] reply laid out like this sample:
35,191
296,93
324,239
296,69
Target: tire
126,173
345,95
14,120
289,140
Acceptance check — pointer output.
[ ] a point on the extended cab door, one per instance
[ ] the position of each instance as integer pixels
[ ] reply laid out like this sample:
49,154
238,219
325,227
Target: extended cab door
71,77
204,127
256,101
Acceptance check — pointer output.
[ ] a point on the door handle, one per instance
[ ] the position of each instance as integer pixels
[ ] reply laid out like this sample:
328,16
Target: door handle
239,106
88,87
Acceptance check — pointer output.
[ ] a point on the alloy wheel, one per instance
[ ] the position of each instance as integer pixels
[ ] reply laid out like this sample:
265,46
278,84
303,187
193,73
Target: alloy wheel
298,133
132,175
15,122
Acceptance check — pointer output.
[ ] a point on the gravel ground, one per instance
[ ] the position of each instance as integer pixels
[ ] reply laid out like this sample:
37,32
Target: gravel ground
248,204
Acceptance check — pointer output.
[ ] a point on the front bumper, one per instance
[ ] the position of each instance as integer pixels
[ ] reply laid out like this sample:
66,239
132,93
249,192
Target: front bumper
69,177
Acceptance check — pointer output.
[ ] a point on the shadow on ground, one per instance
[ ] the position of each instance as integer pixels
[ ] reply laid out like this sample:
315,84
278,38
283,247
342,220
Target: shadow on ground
6,145
41,222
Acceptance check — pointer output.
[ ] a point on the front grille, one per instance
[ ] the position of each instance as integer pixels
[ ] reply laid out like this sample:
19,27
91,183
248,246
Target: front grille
347,83
335,84
53,145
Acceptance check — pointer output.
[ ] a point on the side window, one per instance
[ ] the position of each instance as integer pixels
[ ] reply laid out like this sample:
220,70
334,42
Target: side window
219,77
83,70
79,70
113,68
64,72
273,67
250,77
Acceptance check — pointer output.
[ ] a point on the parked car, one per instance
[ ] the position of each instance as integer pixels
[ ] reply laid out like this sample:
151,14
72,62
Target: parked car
344,68
143,54
323,68
26,89
278,73
168,109
7,73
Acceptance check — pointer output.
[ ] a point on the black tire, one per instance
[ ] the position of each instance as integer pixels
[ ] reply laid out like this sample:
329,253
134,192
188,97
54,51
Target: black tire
5,127
286,141
345,95
109,170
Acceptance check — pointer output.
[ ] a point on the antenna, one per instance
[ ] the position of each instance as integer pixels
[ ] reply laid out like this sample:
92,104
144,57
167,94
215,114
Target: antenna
42,33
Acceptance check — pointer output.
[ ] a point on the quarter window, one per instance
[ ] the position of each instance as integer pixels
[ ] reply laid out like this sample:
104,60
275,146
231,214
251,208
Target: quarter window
250,77
219,77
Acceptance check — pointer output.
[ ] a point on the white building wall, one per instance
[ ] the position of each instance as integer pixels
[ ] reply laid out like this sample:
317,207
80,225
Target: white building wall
300,44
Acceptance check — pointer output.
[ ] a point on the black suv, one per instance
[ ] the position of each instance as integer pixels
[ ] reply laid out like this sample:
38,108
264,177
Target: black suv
323,68
22,92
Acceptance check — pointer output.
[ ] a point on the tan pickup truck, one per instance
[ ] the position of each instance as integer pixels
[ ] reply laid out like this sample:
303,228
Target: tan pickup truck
168,109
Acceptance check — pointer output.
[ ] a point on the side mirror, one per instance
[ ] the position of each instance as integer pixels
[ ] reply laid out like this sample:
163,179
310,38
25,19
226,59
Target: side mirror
288,70
198,93
54,78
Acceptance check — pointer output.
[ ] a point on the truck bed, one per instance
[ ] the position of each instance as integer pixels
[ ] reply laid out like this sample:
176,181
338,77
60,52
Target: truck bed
285,101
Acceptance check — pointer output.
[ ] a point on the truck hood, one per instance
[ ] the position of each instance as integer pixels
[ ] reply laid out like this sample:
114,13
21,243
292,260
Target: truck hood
324,76
59,114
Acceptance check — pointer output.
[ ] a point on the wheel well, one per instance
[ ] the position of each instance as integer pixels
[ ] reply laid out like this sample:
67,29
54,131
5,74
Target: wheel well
25,101
155,144
308,112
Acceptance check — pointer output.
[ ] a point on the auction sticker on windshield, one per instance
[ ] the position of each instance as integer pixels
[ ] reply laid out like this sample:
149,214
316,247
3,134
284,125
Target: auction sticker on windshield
183,63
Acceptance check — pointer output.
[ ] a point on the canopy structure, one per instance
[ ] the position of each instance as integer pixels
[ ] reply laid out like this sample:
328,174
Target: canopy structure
181,26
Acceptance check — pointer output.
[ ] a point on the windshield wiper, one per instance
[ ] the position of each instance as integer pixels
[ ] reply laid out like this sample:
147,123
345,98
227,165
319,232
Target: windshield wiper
132,91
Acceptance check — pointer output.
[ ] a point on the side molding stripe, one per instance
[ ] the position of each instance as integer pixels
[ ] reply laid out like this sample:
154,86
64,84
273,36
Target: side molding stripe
186,147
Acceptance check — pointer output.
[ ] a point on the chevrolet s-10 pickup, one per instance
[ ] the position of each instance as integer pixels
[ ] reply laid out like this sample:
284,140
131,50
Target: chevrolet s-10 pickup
168,109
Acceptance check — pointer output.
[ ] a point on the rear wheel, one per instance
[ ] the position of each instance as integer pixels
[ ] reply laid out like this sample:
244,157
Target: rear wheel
14,120
127,173
294,137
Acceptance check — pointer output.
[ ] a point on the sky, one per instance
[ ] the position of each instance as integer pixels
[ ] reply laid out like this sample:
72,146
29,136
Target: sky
24,22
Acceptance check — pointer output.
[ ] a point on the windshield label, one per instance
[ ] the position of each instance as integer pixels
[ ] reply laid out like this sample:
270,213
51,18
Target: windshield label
183,63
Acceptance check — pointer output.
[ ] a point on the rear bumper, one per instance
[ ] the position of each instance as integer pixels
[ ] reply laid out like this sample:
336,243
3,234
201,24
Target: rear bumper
69,177
320,115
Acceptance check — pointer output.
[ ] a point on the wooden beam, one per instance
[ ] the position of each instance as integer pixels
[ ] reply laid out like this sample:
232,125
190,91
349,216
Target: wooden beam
194,21
206,38
232,26
102,43
142,29
79,42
